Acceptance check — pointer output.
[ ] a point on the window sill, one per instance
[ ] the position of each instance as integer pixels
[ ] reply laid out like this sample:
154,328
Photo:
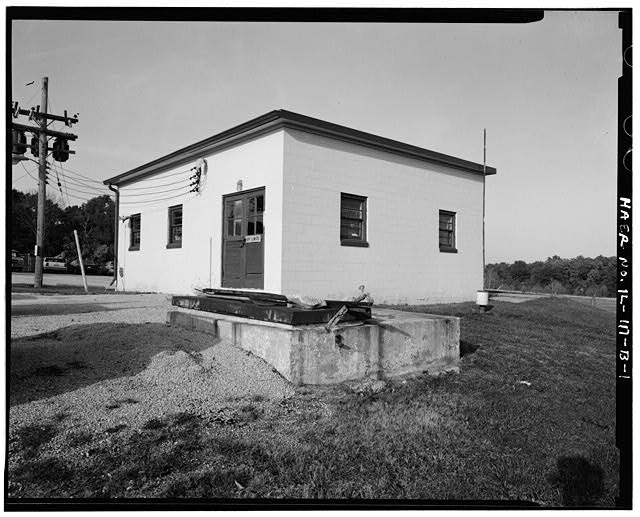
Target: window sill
357,244
174,245
134,248
448,250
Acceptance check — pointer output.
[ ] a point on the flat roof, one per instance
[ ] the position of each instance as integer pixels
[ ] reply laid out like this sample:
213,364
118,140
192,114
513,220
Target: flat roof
278,119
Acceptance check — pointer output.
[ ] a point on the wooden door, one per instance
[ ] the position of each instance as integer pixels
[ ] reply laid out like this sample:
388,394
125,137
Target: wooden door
243,240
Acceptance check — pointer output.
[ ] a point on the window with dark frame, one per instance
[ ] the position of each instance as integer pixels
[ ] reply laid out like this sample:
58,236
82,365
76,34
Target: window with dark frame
134,239
447,234
353,220
175,227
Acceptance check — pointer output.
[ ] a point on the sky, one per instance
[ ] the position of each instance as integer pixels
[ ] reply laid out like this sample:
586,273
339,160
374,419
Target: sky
546,92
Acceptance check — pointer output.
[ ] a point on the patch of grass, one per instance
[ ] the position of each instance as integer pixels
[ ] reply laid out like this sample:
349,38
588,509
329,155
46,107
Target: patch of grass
210,484
154,423
32,437
76,365
248,413
52,370
46,471
530,417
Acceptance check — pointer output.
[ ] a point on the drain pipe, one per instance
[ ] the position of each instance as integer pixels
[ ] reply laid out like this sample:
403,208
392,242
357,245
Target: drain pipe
115,238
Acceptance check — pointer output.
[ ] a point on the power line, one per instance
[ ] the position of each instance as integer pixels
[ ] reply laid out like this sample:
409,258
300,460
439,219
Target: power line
31,98
158,185
28,173
150,189
126,193
82,179
149,201
90,192
61,169
80,183
163,176
65,182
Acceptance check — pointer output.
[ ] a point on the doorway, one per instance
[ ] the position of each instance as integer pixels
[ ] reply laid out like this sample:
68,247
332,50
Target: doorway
243,239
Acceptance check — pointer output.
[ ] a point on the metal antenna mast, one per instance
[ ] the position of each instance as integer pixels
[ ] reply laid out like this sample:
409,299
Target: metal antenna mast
484,182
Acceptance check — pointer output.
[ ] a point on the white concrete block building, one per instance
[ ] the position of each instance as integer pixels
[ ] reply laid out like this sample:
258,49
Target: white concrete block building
294,205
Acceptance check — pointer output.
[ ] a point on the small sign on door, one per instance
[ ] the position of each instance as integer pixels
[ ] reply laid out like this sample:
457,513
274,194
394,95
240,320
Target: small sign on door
253,238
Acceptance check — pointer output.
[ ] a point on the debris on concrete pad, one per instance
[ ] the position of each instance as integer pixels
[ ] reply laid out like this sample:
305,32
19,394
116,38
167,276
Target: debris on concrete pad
363,296
305,302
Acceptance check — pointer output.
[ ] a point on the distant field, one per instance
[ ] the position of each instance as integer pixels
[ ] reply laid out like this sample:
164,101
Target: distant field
529,419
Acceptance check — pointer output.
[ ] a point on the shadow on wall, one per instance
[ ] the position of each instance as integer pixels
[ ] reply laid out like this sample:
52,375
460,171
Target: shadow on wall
580,481
57,362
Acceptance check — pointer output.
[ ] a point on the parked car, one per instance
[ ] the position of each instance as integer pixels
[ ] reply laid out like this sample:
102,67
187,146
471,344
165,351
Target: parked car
90,267
17,262
107,269
54,265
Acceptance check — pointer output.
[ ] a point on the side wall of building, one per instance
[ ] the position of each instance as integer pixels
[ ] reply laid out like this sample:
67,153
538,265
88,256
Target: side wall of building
154,267
403,262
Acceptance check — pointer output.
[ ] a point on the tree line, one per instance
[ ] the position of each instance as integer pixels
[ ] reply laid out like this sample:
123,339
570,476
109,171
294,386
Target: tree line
93,220
579,276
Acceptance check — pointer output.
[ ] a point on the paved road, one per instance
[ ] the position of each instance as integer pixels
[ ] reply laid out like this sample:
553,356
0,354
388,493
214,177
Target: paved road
57,279
37,313
607,304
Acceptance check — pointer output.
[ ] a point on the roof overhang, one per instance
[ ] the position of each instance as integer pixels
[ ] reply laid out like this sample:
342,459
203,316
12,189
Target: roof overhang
278,119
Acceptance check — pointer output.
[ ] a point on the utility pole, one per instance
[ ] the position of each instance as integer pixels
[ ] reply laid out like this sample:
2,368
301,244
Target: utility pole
42,185
60,150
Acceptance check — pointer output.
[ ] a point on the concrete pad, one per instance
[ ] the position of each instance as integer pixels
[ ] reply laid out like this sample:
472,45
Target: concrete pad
391,344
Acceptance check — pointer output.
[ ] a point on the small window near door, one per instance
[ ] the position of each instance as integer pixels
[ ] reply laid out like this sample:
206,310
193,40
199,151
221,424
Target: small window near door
353,220
134,239
175,227
255,216
447,233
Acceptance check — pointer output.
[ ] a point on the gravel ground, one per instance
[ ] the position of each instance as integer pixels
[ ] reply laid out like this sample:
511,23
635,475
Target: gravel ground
114,369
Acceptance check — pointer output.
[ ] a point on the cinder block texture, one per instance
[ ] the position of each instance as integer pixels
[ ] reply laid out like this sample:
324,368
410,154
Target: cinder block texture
392,344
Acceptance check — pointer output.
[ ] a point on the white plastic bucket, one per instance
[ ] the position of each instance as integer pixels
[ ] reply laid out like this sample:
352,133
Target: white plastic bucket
482,298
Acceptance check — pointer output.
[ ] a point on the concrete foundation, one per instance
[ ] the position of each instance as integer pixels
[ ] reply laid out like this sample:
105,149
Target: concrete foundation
391,344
